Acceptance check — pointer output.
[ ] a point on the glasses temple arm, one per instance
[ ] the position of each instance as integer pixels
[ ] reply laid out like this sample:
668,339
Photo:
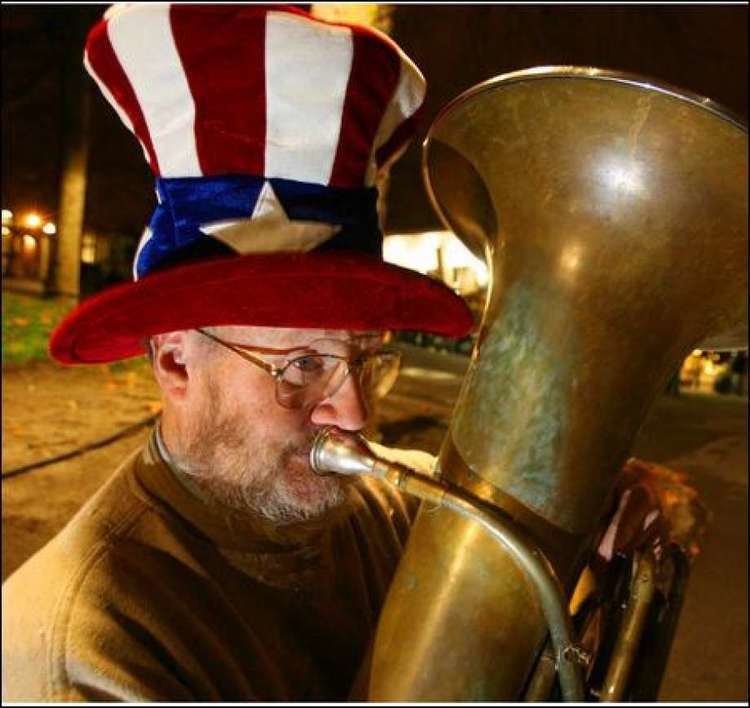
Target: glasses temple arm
269,368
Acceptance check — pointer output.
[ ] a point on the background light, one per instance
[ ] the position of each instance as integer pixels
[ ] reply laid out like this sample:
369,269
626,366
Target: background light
33,220
456,255
29,242
7,216
424,252
49,228
415,251
6,231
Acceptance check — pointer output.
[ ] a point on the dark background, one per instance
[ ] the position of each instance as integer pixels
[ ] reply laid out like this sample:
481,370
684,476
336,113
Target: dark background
700,48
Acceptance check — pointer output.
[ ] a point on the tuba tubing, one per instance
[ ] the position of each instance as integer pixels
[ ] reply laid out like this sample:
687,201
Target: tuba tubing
337,452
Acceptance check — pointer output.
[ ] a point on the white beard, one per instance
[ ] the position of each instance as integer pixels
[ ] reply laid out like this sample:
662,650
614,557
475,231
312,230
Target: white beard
231,464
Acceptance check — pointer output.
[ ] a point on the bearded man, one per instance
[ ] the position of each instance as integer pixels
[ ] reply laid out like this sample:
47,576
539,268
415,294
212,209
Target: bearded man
214,564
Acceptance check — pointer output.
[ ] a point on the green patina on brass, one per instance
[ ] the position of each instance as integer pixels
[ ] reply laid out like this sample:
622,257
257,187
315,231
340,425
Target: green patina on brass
512,410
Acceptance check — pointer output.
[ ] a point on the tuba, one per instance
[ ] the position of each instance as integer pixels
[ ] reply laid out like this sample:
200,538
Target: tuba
612,213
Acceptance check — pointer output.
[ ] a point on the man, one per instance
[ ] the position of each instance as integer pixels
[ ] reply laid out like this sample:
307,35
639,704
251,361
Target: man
214,564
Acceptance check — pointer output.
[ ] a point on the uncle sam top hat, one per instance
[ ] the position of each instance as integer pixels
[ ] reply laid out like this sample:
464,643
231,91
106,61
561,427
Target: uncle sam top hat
265,129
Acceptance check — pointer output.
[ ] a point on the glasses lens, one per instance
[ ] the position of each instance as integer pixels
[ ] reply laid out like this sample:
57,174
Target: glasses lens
379,372
312,378
309,379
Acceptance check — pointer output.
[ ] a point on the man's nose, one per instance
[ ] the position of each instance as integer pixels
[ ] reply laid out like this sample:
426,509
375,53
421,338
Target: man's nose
346,409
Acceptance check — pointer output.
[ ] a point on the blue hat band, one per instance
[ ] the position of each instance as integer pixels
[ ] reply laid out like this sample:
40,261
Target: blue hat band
188,205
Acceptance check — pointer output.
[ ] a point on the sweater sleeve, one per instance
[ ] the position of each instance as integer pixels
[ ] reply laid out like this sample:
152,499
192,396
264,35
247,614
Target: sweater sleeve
75,641
110,654
147,626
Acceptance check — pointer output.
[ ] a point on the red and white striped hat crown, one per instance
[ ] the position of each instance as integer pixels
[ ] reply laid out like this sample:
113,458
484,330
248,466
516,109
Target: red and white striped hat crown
254,89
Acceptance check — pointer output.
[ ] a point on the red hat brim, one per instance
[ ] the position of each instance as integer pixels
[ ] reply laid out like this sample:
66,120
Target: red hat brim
319,290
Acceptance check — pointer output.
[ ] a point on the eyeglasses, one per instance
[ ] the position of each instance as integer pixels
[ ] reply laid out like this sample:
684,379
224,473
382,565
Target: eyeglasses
305,380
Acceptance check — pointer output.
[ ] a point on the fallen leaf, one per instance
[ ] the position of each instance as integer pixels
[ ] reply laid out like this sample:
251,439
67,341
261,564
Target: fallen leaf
19,321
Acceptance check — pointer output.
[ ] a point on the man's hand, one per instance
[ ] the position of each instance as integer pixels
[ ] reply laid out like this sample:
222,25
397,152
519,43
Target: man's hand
655,507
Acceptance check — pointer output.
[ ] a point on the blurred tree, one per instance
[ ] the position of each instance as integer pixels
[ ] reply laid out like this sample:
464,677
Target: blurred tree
76,109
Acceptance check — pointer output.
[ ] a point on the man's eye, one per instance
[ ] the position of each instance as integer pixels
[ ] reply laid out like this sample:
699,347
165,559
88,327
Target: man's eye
308,364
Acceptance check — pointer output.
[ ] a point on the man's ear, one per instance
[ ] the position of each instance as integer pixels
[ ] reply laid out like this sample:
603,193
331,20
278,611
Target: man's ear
169,362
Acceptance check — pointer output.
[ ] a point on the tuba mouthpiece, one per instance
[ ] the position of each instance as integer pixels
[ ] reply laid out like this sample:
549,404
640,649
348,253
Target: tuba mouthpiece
335,451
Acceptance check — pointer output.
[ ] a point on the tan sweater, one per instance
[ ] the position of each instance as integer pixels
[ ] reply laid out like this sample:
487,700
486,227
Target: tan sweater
149,594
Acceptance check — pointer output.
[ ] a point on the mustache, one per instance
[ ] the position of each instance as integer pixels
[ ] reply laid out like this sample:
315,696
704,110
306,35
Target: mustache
304,445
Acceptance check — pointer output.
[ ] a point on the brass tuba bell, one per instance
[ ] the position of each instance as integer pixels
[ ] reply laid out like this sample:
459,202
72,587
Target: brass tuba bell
612,212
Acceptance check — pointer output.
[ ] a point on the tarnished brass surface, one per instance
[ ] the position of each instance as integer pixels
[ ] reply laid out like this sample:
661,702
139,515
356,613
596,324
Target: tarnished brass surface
621,244
422,651
613,216
562,548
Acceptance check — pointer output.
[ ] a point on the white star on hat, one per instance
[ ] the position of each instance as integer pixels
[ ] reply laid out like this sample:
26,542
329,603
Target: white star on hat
269,229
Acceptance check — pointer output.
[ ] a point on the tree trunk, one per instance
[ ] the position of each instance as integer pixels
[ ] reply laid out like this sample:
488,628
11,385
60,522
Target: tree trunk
65,276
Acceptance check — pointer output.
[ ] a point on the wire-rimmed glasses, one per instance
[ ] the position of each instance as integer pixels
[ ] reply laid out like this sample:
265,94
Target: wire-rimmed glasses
319,371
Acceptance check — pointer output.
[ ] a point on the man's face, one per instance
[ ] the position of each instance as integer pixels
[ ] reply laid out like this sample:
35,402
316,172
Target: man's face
238,444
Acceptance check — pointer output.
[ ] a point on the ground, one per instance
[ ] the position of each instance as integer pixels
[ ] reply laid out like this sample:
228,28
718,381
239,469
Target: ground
49,410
